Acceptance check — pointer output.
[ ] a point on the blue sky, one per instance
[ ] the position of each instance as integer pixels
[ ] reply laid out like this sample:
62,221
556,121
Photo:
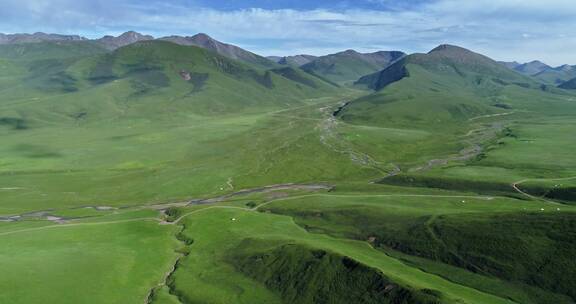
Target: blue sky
520,30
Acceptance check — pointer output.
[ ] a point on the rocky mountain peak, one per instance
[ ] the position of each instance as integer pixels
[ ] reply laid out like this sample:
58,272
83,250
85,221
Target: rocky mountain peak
124,39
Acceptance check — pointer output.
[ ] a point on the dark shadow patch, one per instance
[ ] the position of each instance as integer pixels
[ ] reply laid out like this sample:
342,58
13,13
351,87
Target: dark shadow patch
103,71
236,70
14,123
292,74
198,80
51,76
36,151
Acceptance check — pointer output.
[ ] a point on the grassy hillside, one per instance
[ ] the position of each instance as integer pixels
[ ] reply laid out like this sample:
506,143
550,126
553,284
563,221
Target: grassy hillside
189,78
449,86
33,69
197,80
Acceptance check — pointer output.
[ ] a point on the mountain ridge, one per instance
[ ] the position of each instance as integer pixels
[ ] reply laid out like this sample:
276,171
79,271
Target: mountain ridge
543,72
37,37
231,51
127,38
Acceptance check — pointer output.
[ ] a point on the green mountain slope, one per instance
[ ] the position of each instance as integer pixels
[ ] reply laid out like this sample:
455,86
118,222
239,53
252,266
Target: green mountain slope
200,80
154,77
446,86
348,66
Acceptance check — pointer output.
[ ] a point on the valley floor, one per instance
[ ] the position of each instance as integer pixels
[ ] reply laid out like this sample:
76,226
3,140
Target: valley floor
211,210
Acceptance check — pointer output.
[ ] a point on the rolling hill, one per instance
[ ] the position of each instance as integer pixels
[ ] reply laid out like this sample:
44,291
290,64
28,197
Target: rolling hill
42,66
348,66
211,81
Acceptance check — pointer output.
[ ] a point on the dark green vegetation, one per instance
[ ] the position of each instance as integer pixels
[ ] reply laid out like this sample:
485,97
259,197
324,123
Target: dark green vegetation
448,178
304,275
528,248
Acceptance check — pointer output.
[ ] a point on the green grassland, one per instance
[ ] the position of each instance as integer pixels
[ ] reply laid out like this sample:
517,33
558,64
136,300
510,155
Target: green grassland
107,263
453,184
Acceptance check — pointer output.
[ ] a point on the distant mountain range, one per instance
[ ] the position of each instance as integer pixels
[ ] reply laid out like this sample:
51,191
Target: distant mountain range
127,38
543,72
37,37
345,67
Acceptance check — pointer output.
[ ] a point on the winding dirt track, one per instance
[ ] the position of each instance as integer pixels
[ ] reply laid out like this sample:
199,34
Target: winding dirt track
515,185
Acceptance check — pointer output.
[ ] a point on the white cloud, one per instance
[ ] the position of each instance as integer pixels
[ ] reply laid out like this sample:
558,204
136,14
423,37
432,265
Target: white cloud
505,29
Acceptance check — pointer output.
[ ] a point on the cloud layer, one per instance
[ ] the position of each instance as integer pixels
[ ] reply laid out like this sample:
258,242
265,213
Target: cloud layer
505,29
